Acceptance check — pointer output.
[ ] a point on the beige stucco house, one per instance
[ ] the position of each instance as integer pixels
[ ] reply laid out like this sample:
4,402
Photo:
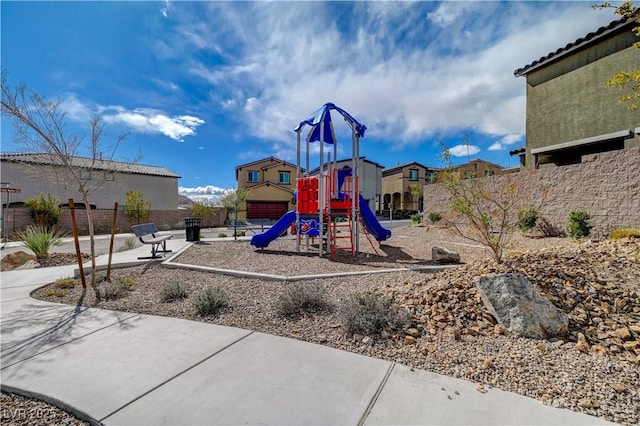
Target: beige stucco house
271,182
369,182
397,183
41,173
570,112
477,168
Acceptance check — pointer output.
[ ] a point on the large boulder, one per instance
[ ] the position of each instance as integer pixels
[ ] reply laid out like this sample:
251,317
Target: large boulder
517,305
15,260
442,255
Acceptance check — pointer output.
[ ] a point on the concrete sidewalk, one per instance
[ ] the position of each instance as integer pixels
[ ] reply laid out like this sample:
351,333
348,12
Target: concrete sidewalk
124,368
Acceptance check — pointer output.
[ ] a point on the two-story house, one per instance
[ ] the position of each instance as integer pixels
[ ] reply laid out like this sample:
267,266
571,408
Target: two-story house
570,111
369,181
271,182
477,168
400,186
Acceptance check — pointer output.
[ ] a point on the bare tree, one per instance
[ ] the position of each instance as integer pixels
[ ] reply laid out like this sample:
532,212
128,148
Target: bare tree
484,208
231,201
41,127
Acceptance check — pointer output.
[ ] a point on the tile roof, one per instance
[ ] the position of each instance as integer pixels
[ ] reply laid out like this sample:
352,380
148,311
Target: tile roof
393,170
82,162
614,27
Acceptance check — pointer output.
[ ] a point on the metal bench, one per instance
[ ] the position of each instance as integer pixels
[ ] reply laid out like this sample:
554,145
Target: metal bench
147,233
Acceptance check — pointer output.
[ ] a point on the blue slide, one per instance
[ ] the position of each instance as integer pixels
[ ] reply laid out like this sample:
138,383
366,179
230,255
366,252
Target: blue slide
278,228
371,223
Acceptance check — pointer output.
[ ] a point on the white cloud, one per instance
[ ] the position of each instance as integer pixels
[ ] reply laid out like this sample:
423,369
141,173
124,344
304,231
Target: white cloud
76,110
165,10
504,142
463,150
452,68
146,120
207,192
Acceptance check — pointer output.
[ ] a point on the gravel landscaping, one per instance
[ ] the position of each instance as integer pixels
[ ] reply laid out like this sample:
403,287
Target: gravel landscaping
594,370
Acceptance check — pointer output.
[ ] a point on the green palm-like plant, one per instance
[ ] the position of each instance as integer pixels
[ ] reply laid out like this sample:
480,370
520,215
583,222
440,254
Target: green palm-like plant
40,239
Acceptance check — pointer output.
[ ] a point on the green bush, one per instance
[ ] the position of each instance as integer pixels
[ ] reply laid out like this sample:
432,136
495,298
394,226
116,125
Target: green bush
126,282
45,210
371,313
300,298
66,282
240,233
416,218
53,292
435,217
222,235
579,224
527,219
136,208
40,239
616,234
173,291
210,301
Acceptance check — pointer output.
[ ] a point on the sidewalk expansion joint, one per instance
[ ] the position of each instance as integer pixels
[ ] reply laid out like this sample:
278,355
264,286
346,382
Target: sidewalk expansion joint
376,395
208,357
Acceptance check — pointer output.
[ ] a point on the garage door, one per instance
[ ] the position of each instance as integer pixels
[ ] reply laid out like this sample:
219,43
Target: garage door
266,210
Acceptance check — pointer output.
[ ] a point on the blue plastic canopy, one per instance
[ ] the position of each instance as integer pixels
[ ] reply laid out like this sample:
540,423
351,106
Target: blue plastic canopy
321,119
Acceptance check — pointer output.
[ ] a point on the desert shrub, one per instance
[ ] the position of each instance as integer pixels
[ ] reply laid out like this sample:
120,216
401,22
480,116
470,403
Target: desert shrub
40,239
128,244
45,210
65,282
222,235
240,233
173,291
435,217
371,313
210,301
416,218
527,219
53,292
126,282
616,234
579,224
113,290
300,298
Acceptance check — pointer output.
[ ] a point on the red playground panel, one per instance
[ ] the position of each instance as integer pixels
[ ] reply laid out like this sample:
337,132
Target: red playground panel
308,195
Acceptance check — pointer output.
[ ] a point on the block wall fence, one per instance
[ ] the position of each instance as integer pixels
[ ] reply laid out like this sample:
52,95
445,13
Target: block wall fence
605,185
19,218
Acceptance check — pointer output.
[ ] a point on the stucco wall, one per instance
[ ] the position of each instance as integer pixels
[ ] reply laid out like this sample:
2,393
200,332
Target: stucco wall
568,101
160,190
606,185
20,218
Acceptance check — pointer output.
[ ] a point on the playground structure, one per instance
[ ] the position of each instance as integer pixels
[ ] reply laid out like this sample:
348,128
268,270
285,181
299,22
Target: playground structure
328,204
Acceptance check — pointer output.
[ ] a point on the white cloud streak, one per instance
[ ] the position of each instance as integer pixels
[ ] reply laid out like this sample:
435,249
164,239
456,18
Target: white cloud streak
145,120
463,150
505,142
207,192
409,71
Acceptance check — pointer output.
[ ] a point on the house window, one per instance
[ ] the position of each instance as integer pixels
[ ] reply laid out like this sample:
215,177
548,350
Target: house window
109,176
413,174
489,172
431,177
253,176
85,175
284,177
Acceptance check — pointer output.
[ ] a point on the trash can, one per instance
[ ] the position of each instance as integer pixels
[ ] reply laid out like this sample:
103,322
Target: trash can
192,225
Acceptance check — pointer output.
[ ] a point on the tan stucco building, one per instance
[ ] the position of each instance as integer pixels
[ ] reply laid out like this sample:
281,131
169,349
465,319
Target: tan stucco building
40,173
397,182
271,182
570,112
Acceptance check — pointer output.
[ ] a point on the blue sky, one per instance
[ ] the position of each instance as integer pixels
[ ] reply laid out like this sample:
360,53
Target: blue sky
205,86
